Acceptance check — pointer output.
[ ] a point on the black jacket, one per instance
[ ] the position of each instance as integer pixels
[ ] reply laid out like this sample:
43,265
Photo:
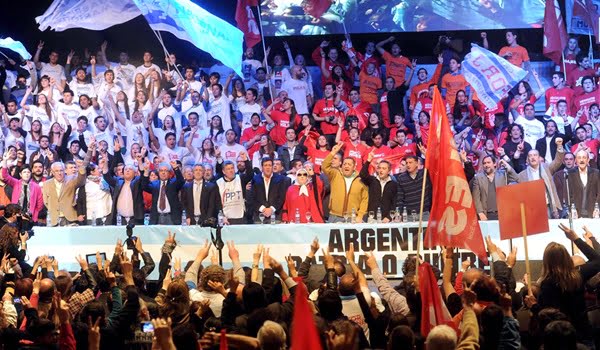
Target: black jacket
209,201
386,199
116,183
540,144
277,190
172,193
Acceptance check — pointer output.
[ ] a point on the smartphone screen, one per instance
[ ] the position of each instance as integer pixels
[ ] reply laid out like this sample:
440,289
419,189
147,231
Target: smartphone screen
147,327
91,258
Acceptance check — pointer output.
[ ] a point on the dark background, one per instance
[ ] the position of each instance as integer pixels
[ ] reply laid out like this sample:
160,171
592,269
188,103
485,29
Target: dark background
17,19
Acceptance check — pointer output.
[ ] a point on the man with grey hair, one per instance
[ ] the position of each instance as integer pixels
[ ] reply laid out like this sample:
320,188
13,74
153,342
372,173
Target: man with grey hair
128,200
166,206
271,336
537,170
59,191
584,184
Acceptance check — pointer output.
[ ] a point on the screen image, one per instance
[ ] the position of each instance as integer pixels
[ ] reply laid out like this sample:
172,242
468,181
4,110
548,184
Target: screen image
317,17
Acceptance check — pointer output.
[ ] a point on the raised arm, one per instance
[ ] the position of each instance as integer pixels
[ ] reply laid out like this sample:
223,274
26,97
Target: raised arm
380,44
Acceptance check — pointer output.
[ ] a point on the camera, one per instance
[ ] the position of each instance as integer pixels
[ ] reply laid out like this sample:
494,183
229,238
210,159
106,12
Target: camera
130,241
24,224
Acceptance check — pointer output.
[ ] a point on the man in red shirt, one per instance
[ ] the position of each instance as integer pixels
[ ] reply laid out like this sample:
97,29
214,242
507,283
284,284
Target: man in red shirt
395,64
330,61
558,92
326,112
575,76
359,108
251,135
584,101
422,87
425,103
403,148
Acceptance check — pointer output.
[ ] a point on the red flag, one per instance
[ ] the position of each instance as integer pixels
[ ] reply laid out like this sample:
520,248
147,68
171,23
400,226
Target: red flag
433,308
223,342
592,19
555,33
509,199
453,220
304,330
316,8
246,21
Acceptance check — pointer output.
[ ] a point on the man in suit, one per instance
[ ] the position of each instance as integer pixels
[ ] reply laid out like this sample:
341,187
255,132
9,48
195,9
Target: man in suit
166,207
59,191
128,199
584,185
536,170
559,178
382,187
268,192
200,198
546,145
484,185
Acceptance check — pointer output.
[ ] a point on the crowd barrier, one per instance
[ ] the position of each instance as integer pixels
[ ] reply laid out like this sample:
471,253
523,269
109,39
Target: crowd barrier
391,243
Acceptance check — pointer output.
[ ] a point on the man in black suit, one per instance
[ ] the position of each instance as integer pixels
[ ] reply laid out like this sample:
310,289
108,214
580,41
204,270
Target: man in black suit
200,198
268,192
166,206
584,185
378,198
551,134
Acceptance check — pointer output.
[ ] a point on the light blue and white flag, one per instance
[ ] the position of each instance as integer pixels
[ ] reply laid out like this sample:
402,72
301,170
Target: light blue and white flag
490,75
192,23
16,46
87,14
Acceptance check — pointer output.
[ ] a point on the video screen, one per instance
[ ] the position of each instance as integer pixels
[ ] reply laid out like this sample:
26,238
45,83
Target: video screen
317,17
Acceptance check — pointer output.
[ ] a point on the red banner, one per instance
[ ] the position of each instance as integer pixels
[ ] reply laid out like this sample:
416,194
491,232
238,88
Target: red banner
555,33
246,21
453,220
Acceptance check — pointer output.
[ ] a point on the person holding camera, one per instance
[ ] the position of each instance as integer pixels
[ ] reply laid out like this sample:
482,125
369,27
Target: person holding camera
326,112
13,243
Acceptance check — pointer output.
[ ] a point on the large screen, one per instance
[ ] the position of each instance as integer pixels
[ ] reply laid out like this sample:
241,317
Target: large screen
317,17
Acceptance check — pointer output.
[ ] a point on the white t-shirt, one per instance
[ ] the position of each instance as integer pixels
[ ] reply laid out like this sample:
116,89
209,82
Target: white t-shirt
297,90
534,129
166,111
249,68
70,112
247,110
81,89
220,107
124,74
177,153
143,69
232,152
202,116
37,113
186,102
107,136
53,71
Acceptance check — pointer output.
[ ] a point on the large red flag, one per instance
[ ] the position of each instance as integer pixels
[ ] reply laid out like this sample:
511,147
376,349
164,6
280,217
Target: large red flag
453,220
304,330
592,19
555,33
246,21
433,309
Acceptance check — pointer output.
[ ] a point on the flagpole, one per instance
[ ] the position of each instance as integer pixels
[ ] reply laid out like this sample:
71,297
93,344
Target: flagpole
166,52
262,37
562,52
420,230
4,55
591,52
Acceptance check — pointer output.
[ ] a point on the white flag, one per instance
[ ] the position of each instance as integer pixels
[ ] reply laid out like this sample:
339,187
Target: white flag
87,14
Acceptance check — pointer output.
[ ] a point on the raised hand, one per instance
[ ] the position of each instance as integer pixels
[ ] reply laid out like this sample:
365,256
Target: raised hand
350,253
40,45
234,254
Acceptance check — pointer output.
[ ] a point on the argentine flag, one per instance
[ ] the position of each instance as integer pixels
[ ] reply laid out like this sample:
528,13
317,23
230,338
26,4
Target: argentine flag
16,46
192,23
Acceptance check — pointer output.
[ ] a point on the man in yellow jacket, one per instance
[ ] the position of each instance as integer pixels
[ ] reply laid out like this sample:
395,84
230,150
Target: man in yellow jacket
347,190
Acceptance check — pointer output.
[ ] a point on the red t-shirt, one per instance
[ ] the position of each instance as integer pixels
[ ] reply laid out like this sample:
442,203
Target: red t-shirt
369,85
325,108
553,95
248,133
378,154
394,130
316,156
282,122
357,152
453,83
574,78
592,144
585,101
569,63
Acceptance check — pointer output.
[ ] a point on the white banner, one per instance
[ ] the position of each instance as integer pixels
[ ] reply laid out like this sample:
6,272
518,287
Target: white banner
391,243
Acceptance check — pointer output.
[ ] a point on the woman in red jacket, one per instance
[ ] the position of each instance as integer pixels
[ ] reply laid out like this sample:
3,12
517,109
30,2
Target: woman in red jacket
305,197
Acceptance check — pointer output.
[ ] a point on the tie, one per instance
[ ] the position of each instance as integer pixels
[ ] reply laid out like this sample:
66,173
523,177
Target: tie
162,198
25,198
